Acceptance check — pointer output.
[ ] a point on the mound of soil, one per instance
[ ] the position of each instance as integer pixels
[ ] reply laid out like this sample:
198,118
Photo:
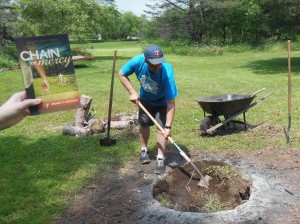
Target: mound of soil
179,189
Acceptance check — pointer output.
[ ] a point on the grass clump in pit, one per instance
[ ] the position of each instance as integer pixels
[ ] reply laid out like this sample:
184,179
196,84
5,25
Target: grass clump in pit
213,204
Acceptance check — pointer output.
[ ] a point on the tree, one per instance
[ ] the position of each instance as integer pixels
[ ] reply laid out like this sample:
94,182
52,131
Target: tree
248,21
218,18
283,17
8,18
193,15
77,18
107,22
172,25
131,25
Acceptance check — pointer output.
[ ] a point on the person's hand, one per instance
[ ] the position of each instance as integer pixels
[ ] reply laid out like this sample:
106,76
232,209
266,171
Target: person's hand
134,98
167,133
15,109
45,85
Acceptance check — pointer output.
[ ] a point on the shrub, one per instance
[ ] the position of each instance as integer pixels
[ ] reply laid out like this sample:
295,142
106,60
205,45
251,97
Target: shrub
8,56
184,48
80,51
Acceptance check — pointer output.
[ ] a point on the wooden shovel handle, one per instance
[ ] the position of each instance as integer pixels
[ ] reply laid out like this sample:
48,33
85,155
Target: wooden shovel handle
182,153
111,93
155,122
152,118
258,91
289,80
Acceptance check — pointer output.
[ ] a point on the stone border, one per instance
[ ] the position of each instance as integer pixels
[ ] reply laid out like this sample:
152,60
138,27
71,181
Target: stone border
267,194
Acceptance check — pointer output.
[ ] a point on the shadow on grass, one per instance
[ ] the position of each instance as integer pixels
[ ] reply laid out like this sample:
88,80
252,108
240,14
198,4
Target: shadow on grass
38,175
77,66
274,66
172,154
232,128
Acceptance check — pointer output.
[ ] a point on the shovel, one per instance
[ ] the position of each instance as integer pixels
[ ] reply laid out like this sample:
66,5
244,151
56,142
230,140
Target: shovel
110,141
204,181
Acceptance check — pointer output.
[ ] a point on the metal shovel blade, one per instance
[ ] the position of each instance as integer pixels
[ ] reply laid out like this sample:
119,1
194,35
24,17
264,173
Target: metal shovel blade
204,182
107,141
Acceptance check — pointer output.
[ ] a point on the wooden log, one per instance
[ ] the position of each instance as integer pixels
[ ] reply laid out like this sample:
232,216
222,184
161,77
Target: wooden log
122,117
82,113
87,125
120,125
121,121
75,130
96,126
132,117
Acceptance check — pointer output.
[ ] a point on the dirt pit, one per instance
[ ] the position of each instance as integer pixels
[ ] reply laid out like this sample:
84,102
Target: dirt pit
125,195
179,190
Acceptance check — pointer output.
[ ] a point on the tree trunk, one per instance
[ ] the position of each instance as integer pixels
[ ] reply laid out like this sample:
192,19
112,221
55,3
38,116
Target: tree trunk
224,33
196,30
83,112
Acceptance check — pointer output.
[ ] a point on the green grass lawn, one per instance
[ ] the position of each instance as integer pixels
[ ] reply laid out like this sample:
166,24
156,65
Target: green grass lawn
41,168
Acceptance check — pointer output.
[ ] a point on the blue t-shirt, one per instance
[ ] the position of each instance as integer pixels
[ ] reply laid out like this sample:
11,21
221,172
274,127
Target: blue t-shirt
156,88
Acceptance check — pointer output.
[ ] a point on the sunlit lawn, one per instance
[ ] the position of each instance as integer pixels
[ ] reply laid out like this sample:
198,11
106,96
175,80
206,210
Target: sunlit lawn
40,168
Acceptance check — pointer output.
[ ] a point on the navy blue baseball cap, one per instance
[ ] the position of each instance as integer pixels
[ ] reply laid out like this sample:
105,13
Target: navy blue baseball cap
154,55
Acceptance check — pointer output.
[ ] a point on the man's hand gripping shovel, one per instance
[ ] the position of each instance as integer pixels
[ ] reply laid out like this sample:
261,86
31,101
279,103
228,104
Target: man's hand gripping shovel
204,181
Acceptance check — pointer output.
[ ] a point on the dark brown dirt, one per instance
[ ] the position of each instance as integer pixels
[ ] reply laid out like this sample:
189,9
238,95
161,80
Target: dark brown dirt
126,194
179,189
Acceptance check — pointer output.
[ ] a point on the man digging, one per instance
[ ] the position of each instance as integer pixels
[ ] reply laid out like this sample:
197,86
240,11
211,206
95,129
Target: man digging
157,94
